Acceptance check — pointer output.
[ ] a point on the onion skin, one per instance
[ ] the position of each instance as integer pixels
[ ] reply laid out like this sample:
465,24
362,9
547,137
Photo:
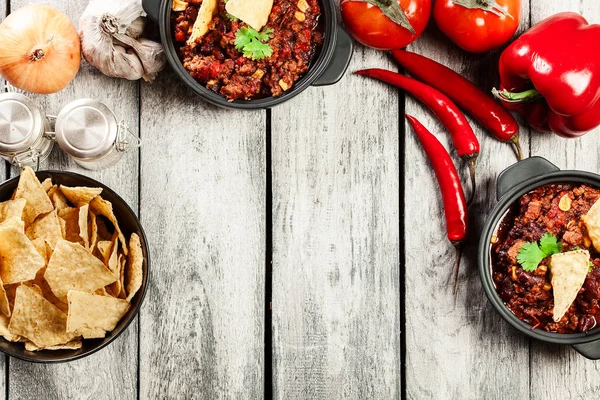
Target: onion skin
40,50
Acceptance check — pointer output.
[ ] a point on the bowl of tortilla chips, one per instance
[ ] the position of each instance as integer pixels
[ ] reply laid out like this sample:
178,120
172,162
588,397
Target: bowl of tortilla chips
73,264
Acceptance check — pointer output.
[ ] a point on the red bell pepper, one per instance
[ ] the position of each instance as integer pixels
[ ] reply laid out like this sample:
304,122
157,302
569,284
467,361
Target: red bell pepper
551,75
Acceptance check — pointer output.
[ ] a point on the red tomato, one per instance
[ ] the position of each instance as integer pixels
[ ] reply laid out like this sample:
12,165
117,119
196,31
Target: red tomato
474,29
371,27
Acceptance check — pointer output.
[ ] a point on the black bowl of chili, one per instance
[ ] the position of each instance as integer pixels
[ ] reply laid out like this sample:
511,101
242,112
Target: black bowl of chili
327,66
515,186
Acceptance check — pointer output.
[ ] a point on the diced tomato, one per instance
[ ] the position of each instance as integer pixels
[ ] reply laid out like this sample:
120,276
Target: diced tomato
179,36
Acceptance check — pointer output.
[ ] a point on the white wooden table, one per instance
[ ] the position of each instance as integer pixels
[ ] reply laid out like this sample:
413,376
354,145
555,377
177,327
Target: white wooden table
326,207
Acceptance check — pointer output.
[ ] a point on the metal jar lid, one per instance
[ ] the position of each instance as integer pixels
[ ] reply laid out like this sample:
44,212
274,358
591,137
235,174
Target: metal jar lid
21,123
86,129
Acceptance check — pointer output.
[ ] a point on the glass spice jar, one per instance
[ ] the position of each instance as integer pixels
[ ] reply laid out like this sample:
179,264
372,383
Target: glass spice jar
24,131
89,132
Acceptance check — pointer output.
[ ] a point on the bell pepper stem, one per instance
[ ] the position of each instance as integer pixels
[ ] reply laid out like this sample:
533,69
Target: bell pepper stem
527,96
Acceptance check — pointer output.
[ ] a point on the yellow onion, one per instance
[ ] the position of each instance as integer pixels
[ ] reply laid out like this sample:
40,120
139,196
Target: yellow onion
39,49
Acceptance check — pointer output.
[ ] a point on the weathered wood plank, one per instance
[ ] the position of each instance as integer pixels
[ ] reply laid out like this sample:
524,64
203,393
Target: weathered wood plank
3,174
457,347
336,294
203,208
560,372
112,372
3,165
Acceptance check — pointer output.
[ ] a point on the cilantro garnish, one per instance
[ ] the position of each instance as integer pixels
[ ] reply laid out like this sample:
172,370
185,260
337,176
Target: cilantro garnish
252,43
531,254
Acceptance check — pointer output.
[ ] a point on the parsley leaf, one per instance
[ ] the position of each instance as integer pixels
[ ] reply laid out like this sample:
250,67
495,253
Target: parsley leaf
549,244
530,254
251,42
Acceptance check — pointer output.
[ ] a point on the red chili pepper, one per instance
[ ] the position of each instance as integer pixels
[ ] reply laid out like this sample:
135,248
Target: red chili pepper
455,206
454,120
465,94
551,75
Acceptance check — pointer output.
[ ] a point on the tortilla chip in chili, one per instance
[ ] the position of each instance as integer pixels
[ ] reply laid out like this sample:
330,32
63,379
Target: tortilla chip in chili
568,272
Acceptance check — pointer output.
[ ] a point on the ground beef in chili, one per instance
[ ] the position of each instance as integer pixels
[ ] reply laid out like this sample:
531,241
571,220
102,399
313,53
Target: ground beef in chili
529,294
214,60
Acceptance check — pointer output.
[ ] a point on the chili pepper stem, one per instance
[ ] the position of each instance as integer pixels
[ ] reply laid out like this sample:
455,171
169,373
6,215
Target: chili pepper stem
471,163
518,148
456,267
528,96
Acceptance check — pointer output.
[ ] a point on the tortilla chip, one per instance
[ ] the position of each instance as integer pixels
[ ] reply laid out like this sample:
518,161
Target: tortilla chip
4,303
20,260
113,260
73,345
12,208
40,246
103,207
4,332
568,272
72,267
71,218
134,273
93,231
15,223
254,13
38,320
592,223
47,184
46,291
123,293
89,333
104,248
117,287
31,190
83,225
205,16
94,312
47,228
80,196
103,233
58,200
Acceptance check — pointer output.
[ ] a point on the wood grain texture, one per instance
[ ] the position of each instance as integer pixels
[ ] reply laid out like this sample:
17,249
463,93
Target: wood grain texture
203,208
561,372
4,166
112,372
336,294
457,347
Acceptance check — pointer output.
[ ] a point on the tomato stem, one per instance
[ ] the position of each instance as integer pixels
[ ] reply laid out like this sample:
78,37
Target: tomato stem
392,10
485,5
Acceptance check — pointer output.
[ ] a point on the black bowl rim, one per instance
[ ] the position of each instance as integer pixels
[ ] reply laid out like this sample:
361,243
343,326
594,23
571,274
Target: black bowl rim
317,68
143,288
483,256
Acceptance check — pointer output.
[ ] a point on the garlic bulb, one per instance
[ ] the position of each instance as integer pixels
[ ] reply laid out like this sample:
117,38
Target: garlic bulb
110,33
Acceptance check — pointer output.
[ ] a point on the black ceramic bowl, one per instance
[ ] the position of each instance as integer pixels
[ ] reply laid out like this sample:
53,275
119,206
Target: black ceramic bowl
129,223
328,66
512,183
